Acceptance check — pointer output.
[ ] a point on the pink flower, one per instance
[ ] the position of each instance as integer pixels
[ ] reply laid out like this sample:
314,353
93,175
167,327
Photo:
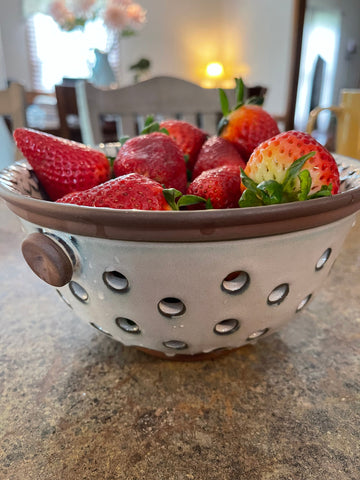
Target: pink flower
136,14
115,17
118,15
60,13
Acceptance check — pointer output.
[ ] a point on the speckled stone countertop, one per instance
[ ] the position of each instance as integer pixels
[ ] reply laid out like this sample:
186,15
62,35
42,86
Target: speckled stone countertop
75,404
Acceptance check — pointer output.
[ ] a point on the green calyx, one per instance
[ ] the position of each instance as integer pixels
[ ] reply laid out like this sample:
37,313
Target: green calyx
151,126
239,102
270,192
176,200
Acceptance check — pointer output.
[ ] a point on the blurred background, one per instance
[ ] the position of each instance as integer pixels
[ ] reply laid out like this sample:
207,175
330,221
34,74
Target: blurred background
303,52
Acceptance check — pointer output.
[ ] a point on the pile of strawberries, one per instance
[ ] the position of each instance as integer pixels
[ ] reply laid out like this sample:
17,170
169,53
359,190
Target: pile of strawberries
175,165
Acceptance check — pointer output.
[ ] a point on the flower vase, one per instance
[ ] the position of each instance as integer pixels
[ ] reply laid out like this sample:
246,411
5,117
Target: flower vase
102,73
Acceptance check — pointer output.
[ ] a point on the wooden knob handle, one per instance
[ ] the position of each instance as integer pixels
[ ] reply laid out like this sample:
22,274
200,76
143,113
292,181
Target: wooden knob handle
47,259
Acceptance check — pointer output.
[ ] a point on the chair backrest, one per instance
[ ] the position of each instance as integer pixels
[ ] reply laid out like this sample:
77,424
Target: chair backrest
67,110
13,106
163,97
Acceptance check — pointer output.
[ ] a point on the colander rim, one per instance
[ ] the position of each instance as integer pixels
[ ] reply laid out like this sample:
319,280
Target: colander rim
182,226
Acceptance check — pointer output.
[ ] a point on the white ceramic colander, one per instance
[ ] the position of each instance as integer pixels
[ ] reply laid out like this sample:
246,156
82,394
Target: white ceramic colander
184,283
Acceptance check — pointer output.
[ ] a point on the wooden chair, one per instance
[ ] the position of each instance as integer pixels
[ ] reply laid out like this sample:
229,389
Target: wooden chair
13,108
163,97
68,112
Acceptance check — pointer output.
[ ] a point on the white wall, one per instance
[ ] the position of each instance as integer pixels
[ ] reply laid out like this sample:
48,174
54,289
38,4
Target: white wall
258,38
180,37
251,37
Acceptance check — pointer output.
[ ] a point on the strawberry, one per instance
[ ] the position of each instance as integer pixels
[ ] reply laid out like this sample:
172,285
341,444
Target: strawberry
131,191
154,155
288,167
248,124
62,166
215,152
187,137
220,186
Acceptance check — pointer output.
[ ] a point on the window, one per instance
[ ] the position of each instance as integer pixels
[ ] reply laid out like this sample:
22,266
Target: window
55,54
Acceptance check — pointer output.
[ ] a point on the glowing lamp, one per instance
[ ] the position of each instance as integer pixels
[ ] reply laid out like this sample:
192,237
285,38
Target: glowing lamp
214,69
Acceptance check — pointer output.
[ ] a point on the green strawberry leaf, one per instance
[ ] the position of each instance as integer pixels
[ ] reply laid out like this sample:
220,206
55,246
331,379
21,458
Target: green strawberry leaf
186,200
208,204
225,106
237,105
176,199
293,171
224,102
248,182
305,184
151,125
111,161
249,199
273,191
171,195
149,120
239,92
255,101
186,157
324,191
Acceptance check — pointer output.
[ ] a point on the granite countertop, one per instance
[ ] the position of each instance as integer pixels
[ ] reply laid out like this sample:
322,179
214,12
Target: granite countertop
75,404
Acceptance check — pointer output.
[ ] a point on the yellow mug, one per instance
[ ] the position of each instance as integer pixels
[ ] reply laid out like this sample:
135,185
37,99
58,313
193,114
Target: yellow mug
348,122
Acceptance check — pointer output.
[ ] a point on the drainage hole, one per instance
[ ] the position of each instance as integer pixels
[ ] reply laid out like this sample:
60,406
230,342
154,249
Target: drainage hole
175,344
257,334
127,325
63,298
100,329
235,282
171,307
278,295
303,302
116,281
226,327
78,291
323,259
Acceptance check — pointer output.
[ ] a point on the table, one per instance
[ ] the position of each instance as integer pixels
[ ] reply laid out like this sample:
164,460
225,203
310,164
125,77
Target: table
75,404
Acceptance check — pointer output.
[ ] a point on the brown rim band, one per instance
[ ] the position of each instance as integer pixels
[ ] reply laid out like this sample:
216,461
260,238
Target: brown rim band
194,226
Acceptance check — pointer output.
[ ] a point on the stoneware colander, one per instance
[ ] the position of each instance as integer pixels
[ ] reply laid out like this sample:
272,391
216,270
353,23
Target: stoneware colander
183,284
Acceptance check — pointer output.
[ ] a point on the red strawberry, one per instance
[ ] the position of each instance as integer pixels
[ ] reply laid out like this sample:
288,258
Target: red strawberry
288,167
62,166
187,137
153,155
220,185
216,152
132,191
247,125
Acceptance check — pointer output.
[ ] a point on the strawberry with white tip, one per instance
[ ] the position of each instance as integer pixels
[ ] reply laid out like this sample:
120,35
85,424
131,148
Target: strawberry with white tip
289,167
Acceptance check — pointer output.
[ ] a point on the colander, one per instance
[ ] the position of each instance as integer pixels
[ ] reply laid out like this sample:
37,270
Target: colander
188,283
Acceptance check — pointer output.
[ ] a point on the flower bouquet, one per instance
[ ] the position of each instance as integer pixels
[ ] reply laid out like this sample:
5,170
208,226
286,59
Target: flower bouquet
123,16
